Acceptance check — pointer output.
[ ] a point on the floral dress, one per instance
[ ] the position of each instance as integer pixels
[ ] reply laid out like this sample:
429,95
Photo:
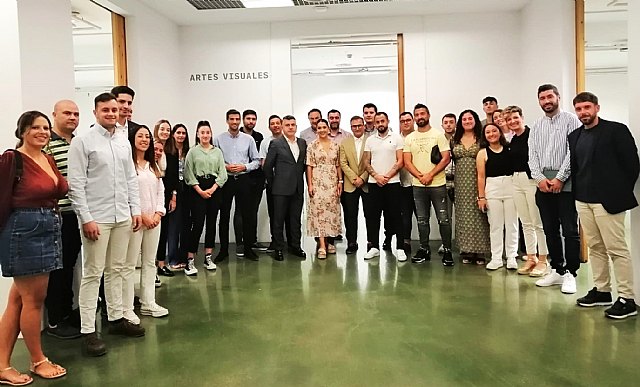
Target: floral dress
472,226
324,216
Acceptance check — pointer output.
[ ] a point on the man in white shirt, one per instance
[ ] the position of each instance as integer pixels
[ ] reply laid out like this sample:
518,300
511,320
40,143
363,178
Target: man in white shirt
103,189
124,96
407,204
383,160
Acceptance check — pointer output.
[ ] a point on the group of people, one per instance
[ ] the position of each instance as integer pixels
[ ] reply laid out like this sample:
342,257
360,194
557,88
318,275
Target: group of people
134,196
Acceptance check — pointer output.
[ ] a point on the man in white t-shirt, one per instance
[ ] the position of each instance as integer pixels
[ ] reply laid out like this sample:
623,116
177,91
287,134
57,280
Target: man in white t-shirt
429,182
383,160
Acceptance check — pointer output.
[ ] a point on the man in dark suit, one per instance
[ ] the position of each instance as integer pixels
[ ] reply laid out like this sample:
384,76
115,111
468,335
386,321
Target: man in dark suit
284,169
604,170
124,96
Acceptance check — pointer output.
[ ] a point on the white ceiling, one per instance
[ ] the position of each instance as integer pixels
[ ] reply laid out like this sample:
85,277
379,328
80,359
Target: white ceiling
183,13
93,14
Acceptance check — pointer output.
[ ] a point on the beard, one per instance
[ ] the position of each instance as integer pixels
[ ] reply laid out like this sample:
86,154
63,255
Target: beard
382,129
334,126
587,120
422,122
550,107
250,126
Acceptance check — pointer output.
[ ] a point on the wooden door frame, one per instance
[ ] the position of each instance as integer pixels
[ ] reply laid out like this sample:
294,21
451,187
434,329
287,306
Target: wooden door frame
119,40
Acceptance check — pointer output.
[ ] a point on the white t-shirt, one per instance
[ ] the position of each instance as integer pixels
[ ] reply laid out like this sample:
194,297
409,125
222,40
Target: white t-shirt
383,154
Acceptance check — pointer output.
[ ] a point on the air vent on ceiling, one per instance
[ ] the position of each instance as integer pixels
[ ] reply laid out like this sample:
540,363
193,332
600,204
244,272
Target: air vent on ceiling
216,4
331,2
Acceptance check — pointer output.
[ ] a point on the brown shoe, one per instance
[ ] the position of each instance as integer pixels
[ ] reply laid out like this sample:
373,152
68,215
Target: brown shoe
125,328
93,345
528,267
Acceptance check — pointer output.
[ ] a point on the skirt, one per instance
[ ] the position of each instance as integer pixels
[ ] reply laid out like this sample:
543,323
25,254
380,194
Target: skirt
31,242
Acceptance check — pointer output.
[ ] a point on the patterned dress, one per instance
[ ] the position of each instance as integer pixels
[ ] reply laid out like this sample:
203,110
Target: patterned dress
323,216
472,226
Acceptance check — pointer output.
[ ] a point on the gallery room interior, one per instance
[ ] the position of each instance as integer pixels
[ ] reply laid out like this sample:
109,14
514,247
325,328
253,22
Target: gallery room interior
343,321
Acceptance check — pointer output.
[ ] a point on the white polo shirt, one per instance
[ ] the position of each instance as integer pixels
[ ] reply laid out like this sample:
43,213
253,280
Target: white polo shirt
383,153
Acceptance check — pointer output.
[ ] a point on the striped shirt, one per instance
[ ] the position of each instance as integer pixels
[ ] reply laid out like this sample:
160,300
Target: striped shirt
58,148
549,147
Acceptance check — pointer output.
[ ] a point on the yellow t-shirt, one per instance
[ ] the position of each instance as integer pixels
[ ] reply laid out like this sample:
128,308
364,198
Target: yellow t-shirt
419,144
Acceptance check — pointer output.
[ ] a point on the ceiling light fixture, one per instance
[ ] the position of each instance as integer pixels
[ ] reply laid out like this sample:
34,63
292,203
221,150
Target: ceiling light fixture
267,3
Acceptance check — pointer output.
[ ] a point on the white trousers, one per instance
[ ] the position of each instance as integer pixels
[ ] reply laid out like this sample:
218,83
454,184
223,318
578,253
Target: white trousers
524,196
106,255
502,215
146,241
605,235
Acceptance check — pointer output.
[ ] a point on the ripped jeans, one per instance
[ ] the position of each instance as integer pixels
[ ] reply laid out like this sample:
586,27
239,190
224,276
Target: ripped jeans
424,197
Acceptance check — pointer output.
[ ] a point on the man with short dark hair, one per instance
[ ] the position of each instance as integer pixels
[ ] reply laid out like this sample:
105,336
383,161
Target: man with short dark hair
284,168
336,133
355,181
604,170
103,188
124,97
240,158
549,162
489,105
383,160
369,111
59,301
309,134
429,182
249,119
449,127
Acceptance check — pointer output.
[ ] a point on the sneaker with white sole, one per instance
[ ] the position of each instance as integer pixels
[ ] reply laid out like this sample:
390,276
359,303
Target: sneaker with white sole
132,317
191,268
154,310
494,264
512,264
551,279
441,249
157,282
568,283
372,253
208,262
401,255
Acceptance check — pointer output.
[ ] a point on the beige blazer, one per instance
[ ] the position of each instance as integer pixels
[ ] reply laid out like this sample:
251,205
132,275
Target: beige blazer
350,167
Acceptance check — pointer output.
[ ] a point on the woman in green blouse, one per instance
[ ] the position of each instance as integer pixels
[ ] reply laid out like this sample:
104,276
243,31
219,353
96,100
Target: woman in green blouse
205,173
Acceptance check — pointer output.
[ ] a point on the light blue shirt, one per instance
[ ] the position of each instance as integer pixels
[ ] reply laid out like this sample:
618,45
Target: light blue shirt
240,149
103,185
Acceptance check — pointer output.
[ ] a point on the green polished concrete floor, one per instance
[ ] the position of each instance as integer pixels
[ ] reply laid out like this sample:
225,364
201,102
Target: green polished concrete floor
347,322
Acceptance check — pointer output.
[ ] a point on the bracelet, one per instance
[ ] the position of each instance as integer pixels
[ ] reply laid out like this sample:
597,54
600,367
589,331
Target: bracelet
340,181
480,198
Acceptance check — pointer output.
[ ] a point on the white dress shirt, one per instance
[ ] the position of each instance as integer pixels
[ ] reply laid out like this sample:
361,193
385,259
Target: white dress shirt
293,145
359,144
103,185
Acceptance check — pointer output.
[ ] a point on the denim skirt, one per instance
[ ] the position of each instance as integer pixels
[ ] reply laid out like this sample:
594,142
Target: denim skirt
31,242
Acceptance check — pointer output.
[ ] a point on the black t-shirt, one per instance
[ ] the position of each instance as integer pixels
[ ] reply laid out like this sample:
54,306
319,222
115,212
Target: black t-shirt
519,148
585,180
257,137
498,164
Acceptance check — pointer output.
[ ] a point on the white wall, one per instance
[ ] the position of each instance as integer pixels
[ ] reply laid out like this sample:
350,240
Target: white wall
613,94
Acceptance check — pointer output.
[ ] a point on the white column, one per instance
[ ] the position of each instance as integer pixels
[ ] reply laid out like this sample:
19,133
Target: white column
634,125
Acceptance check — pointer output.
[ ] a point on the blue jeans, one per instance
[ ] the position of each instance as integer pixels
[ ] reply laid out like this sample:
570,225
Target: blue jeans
424,197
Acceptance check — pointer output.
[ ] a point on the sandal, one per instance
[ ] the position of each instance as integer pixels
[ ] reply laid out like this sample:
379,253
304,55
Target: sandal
540,270
4,380
331,249
322,254
61,371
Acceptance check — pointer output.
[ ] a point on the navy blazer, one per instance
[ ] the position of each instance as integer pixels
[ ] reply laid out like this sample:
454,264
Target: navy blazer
616,165
285,175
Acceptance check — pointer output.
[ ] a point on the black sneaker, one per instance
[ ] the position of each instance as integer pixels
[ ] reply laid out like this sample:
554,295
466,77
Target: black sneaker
271,248
623,308
64,331
447,258
157,282
250,255
259,247
222,255
352,248
595,298
407,248
386,245
422,255
165,271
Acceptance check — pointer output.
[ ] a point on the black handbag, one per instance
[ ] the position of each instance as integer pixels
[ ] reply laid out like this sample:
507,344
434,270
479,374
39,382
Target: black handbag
436,156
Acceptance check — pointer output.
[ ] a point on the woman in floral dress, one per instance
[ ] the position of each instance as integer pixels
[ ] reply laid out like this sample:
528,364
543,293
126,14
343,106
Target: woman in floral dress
324,181
472,226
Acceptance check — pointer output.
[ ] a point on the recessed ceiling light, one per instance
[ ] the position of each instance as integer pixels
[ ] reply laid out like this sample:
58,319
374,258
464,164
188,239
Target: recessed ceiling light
267,3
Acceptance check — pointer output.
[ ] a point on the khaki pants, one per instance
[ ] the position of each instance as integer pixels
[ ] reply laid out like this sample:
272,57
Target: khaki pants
106,255
524,196
605,235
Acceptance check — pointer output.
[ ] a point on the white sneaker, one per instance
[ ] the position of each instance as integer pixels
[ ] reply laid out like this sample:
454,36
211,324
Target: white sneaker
568,283
494,264
208,263
191,268
132,317
441,249
401,255
553,278
154,310
372,253
512,264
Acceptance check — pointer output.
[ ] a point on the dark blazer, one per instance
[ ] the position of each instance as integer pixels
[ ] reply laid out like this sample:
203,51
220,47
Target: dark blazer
615,164
284,174
171,178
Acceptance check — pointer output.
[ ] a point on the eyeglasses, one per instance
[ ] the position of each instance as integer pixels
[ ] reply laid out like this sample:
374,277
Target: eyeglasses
405,121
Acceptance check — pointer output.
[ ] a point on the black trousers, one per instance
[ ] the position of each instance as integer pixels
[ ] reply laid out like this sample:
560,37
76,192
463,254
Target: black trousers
407,211
271,210
558,210
384,200
201,210
59,301
287,208
351,206
239,188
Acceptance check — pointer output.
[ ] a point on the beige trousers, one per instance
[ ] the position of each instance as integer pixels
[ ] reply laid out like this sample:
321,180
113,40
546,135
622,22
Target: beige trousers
605,235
